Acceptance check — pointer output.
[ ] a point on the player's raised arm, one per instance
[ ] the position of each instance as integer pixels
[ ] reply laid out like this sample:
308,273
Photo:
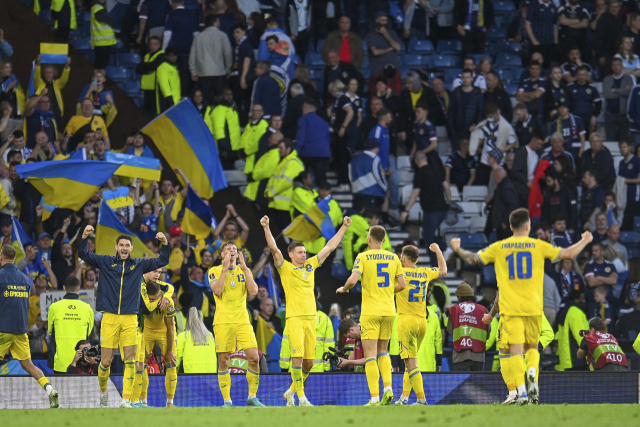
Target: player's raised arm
218,286
335,241
401,284
442,263
88,257
574,250
351,282
252,287
277,255
468,256
162,260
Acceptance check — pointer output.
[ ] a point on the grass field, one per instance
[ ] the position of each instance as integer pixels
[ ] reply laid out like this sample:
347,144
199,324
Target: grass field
337,416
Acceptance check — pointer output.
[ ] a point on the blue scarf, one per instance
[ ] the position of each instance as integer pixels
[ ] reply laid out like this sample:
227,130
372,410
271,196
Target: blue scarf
6,83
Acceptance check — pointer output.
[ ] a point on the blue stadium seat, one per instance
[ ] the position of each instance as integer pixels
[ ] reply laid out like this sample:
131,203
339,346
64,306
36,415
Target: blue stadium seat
489,275
478,57
633,253
84,16
445,61
131,88
366,72
404,71
118,74
365,63
423,47
511,89
473,240
81,44
413,60
320,45
314,60
128,59
297,59
503,6
636,223
113,60
45,15
630,239
314,73
497,33
118,47
449,47
365,46
490,47
499,21
451,73
508,46
508,61
516,73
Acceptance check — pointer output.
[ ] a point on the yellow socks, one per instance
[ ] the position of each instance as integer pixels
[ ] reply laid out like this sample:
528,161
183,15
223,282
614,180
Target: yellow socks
305,375
137,387
253,379
373,378
517,371
128,377
505,370
171,381
46,385
298,384
384,364
532,359
103,376
406,385
224,380
416,382
145,385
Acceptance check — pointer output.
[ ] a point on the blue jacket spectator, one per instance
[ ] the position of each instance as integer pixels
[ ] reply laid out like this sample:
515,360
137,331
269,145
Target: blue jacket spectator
366,174
227,20
629,169
182,24
285,45
313,138
6,50
266,90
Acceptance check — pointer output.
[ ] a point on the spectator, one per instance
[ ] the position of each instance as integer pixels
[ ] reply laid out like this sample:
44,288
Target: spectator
602,349
557,149
432,200
179,31
573,20
84,123
267,314
612,215
303,78
466,108
629,169
613,234
45,77
263,169
571,320
44,149
498,96
370,120
592,197
196,346
298,17
479,80
616,88
210,59
560,236
486,66
368,181
559,201
224,124
150,217
542,29
386,95
417,93
16,143
532,90
168,91
633,114
5,48
283,42
599,225
62,262
570,279
227,19
387,158
630,61
628,325
585,99
555,95
313,141
599,158
266,90
493,133
69,322
275,125
346,43
135,146
250,141
472,19
524,166
242,72
153,16
633,31
505,201
570,67
608,31
424,133
228,229
597,272
572,130
152,60
383,45
338,70
460,167
247,7
294,110
526,74
392,79
280,185
103,105
256,27
11,91
102,34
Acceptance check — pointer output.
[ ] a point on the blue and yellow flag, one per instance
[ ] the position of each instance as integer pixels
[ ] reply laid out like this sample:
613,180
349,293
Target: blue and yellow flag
134,166
31,90
197,219
109,227
54,53
269,342
312,224
18,238
184,139
67,184
118,198
48,209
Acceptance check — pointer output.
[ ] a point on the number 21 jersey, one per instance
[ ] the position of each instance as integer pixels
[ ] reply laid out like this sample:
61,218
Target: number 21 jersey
378,270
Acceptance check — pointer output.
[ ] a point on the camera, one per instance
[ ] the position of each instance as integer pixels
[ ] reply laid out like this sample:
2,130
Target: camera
91,351
584,333
333,356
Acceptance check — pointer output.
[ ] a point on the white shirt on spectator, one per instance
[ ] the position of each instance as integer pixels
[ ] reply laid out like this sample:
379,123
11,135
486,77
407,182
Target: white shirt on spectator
532,161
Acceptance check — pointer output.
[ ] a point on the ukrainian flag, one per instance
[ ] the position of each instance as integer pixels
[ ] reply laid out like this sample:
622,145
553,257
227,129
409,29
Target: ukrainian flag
67,184
48,209
197,219
269,342
109,228
18,238
54,53
312,224
118,198
134,166
185,141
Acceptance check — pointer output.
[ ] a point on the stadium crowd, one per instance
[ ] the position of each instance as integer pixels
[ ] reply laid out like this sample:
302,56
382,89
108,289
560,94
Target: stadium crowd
297,92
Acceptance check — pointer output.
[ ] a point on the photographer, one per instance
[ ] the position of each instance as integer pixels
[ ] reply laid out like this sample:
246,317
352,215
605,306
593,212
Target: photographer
350,329
82,363
602,349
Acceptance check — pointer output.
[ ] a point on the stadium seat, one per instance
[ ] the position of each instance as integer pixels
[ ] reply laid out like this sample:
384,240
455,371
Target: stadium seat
131,88
297,59
81,44
516,73
118,47
636,224
449,47
445,61
477,224
421,47
235,178
314,73
118,74
455,194
630,239
413,60
451,73
490,47
469,209
503,6
403,162
366,72
633,253
314,60
508,46
474,193
478,57
489,275
497,33
511,89
613,148
448,231
320,45
472,241
508,61
45,15
505,75
499,21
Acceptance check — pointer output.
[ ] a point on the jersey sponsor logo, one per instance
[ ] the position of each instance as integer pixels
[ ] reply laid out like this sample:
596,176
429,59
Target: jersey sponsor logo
114,265
72,307
16,294
132,267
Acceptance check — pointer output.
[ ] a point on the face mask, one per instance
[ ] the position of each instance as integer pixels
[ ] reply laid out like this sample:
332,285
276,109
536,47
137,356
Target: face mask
491,120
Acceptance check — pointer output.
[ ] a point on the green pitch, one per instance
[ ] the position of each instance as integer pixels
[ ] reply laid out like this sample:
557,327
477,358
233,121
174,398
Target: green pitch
337,416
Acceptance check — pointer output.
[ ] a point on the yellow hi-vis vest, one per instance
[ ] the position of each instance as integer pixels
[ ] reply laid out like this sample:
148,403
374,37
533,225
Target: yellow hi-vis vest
280,186
250,142
148,81
325,338
262,170
70,320
101,34
56,6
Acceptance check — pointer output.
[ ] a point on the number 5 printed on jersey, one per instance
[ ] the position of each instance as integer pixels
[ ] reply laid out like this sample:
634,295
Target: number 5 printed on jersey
384,275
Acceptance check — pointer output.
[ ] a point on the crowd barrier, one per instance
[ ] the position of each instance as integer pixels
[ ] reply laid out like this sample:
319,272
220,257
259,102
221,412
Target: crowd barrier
21,392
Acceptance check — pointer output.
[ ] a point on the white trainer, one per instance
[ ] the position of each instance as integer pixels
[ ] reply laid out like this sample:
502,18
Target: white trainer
289,397
104,399
304,402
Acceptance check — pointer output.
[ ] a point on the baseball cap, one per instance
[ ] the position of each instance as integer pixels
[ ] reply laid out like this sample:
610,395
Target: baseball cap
43,235
5,219
175,231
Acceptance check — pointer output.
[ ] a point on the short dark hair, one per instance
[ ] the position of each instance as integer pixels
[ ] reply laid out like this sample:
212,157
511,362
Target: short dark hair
374,214
465,299
81,342
264,65
491,109
598,244
593,172
411,253
153,288
467,71
156,38
125,237
238,27
377,233
271,20
8,252
539,135
312,103
582,68
541,226
211,20
71,283
382,112
345,326
18,134
556,218
598,324
423,106
293,245
574,295
518,218
469,58
534,63
287,143
274,38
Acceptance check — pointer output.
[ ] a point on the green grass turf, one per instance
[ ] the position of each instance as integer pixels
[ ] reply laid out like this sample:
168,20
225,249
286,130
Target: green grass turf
337,416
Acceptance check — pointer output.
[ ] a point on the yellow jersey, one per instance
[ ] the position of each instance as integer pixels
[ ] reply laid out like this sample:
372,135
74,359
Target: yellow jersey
378,270
231,307
298,284
412,299
519,263
156,319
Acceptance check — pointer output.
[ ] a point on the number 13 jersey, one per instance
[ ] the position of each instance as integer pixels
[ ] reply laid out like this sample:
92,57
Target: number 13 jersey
519,263
231,306
378,270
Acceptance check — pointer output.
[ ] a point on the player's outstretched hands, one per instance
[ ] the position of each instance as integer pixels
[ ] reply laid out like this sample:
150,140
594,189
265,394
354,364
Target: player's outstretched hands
87,231
486,319
346,221
341,290
264,221
454,244
162,238
243,265
434,248
587,236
